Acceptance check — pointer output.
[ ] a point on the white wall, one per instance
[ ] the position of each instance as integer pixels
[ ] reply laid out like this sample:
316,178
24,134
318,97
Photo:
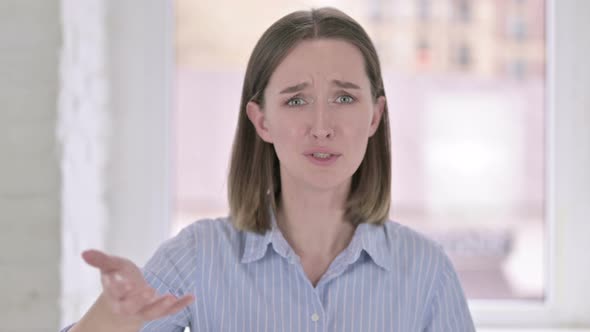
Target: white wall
141,63
114,129
84,88
84,130
115,109
570,99
30,191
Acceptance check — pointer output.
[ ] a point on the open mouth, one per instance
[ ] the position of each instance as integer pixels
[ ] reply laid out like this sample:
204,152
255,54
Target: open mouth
323,159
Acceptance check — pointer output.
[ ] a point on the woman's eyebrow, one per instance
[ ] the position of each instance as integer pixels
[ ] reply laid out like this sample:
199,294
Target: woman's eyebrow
345,85
301,86
295,88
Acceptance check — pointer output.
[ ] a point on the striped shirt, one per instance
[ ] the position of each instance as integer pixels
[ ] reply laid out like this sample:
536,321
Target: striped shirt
389,278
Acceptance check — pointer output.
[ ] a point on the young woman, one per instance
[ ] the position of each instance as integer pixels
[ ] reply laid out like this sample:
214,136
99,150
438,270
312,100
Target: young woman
308,245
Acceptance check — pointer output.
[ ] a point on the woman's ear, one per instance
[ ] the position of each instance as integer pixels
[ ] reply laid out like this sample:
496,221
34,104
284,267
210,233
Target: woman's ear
258,119
378,109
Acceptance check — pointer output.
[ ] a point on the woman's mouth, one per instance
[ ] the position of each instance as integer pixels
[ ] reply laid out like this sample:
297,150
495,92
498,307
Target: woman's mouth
322,158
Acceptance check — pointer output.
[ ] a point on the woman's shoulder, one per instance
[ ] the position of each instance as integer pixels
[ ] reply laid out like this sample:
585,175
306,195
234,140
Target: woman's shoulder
428,276
412,248
221,225
201,234
402,234
204,239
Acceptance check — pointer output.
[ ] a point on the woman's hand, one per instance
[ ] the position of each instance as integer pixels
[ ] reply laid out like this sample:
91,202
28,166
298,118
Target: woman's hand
127,294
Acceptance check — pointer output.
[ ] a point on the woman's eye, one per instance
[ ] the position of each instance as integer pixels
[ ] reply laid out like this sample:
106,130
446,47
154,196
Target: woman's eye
345,99
297,101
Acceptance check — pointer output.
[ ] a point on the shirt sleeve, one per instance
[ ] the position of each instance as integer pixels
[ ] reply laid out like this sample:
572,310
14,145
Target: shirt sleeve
449,310
168,272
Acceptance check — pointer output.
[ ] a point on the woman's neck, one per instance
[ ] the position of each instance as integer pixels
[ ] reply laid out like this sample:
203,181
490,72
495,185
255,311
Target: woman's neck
314,223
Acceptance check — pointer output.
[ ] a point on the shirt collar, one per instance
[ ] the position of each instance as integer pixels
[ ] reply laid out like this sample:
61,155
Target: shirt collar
368,237
372,239
256,245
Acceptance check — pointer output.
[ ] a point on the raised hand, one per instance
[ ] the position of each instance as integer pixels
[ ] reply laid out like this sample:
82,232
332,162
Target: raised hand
127,294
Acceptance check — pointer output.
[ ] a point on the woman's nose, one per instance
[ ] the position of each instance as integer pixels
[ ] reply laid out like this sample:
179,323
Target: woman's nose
320,133
320,127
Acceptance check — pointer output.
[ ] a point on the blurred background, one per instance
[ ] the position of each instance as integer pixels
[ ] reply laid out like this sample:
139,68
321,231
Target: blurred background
465,81
117,119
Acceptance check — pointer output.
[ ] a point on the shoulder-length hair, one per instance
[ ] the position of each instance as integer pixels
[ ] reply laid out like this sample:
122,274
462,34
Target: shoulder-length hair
254,176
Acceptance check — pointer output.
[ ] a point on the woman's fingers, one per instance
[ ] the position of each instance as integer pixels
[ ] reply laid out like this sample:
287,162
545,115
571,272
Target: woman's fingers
102,261
180,304
134,303
164,306
119,276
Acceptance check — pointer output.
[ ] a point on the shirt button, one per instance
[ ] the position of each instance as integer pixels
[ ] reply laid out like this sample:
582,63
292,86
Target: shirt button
315,317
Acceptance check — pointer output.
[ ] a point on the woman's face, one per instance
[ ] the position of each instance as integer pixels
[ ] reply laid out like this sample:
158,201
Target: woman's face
318,113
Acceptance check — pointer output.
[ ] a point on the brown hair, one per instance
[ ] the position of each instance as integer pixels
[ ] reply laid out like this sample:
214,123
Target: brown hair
254,168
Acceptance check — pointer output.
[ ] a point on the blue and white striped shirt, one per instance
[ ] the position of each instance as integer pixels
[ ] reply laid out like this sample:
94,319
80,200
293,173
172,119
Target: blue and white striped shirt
389,278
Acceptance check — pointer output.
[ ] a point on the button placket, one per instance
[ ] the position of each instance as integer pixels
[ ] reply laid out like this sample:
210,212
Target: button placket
318,314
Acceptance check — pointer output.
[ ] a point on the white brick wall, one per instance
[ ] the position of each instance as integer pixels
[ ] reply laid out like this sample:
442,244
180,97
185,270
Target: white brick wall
113,110
83,133
53,147
29,166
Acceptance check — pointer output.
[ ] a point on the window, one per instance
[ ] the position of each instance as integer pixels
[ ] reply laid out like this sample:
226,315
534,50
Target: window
467,139
470,146
423,8
463,10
